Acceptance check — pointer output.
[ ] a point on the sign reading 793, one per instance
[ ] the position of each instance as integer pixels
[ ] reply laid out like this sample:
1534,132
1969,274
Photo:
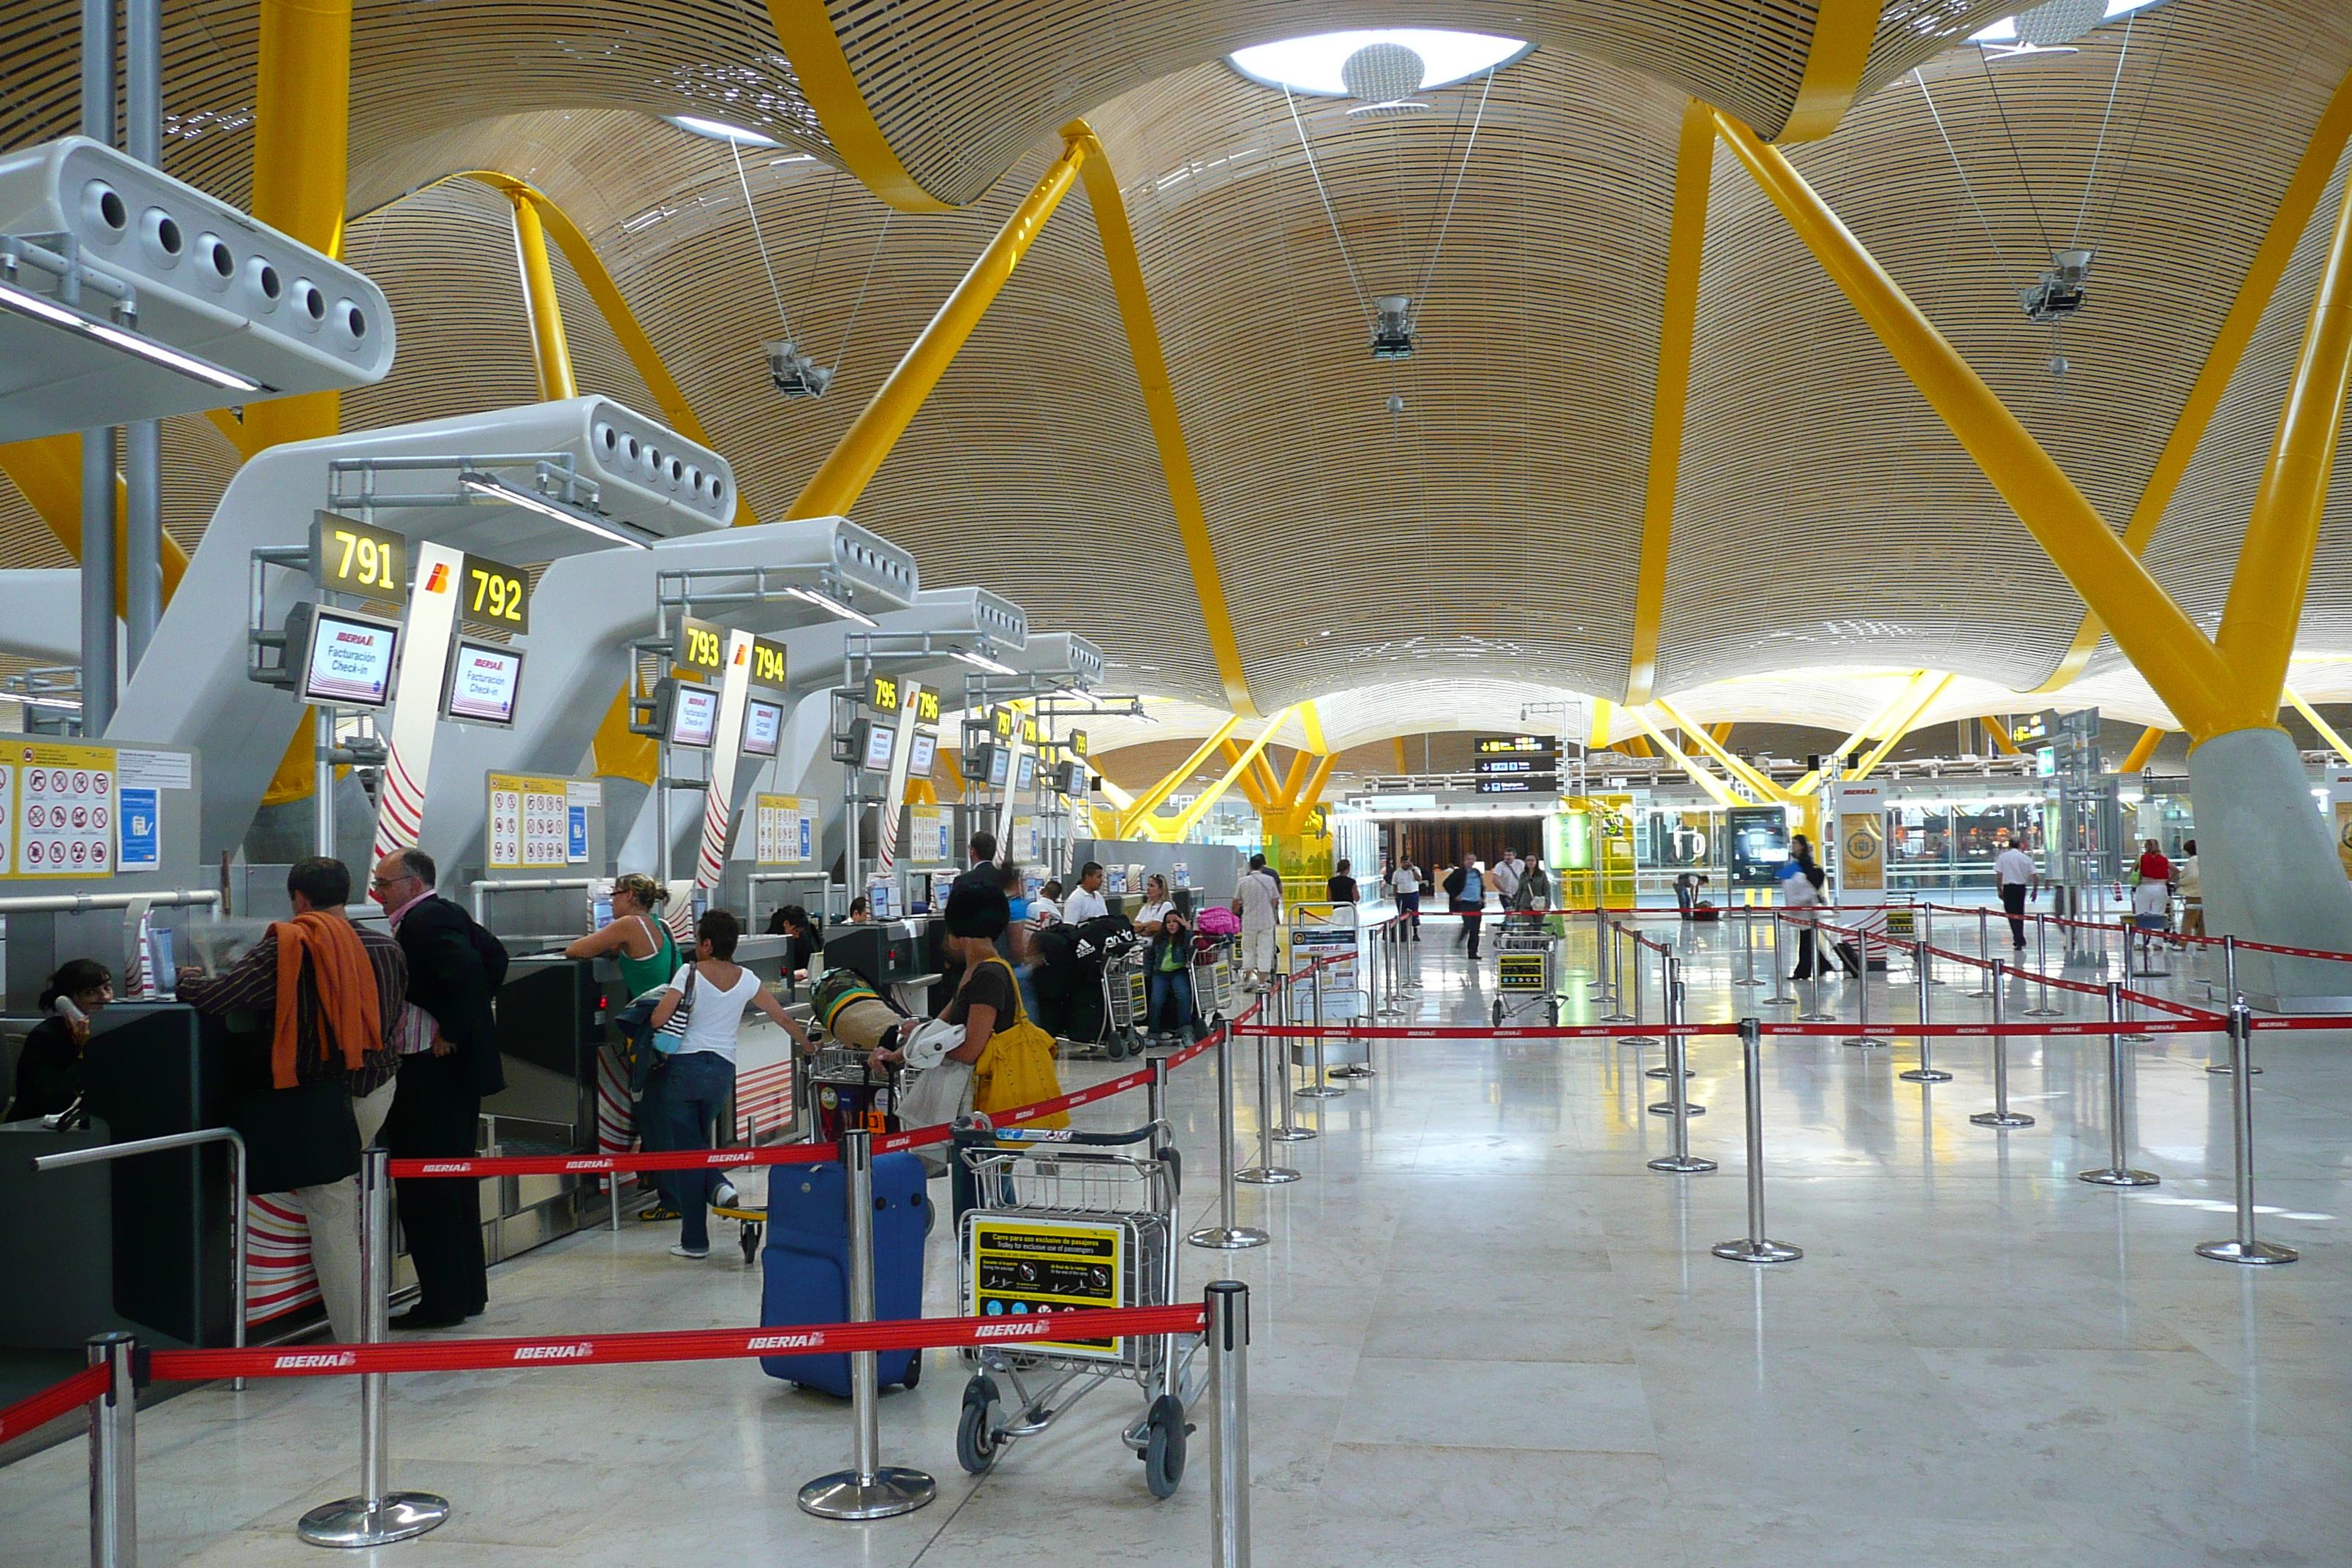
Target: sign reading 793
353,557
701,647
496,594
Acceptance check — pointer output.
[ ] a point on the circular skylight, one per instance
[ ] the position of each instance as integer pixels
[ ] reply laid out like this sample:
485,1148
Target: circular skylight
1312,64
719,131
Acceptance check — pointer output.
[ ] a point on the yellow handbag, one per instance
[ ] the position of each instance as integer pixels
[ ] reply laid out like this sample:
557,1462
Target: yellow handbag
1017,1067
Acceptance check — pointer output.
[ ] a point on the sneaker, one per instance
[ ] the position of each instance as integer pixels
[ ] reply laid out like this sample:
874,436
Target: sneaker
660,1212
683,1251
724,1196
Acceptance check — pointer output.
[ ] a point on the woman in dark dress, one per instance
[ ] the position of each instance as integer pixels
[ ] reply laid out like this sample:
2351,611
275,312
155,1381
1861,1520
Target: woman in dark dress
48,1073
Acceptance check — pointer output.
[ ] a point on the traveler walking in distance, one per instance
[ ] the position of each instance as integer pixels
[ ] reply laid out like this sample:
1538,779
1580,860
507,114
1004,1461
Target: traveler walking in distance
1258,901
449,1061
2014,871
1466,893
313,1079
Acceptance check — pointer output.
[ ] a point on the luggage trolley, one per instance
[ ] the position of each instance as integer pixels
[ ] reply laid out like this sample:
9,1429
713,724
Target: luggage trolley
1054,1220
1526,969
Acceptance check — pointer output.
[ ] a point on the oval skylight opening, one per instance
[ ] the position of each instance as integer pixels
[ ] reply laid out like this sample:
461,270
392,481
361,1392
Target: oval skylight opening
1311,64
719,131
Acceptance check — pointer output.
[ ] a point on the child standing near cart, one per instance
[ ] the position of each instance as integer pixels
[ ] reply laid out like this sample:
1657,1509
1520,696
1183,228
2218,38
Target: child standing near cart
1169,970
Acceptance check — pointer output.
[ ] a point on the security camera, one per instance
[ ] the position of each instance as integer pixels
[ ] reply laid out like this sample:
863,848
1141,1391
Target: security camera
796,374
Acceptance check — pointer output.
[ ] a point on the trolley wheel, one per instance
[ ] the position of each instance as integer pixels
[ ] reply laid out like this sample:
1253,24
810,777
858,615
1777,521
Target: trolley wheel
749,1237
1551,1014
976,1440
1163,1449
1498,1012
914,1371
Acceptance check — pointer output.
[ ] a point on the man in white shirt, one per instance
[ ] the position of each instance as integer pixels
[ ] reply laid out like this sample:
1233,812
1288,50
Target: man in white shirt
1258,901
1086,902
1404,881
1506,877
2013,870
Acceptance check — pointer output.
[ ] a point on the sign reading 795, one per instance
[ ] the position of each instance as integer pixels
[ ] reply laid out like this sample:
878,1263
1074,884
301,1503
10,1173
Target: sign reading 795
495,594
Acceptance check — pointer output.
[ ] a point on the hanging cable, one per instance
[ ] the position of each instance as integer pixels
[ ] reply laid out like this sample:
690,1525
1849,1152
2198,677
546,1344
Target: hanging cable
1470,147
1308,147
2015,153
2091,176
2000,259
2124,164
862,282
823,231
757,238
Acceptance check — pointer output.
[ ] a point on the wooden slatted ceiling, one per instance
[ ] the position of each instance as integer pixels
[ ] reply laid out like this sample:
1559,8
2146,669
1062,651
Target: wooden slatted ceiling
1822,502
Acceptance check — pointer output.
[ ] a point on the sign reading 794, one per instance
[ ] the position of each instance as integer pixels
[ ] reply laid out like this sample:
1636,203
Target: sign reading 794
353,557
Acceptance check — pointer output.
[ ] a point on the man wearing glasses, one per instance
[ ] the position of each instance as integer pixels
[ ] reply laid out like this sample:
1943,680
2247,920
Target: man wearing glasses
449,1061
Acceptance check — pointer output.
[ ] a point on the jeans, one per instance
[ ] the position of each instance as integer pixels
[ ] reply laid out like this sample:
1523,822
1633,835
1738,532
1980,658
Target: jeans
1172,1002
1471,914
682,1104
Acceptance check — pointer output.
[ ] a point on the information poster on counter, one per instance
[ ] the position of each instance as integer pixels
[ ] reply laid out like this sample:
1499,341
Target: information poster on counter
928,836
530,827
59,811
784,829
1024,841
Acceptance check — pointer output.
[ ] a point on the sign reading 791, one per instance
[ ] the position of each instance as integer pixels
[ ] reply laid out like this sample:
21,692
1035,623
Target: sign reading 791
351,557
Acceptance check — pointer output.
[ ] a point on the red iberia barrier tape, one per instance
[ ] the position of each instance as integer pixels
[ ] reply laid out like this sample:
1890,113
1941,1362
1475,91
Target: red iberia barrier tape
51,1403
695,1345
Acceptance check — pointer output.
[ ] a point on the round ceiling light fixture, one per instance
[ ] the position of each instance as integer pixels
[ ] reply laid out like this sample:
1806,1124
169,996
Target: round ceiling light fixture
1317,64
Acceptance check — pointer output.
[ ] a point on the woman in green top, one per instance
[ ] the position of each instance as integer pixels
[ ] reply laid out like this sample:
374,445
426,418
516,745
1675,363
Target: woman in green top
638,943
1169,968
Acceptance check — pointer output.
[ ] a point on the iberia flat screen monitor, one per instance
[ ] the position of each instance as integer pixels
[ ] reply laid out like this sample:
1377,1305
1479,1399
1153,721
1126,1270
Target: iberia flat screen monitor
484,678
1026,779
920,751
350,659
999,765
764,726
693,715
881,740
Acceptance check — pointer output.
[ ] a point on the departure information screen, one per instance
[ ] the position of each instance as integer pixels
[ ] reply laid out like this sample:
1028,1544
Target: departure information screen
350,659
484,678
764,723
694,716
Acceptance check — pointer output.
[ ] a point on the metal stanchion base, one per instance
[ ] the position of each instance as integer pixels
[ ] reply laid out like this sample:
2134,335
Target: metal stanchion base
2043,1013
2000,1119
1354,1069
1925,1075
2246,1252
1293,1134
1233,1240
1316,1091
1778,999
1638,1040
1977,995
1864,1040
401,1516
1747,1249
1620,1017
885,1494
1682,1165
2223,1068
1817,1018
1666,1108
1662,1072
2118,1176
1267,1175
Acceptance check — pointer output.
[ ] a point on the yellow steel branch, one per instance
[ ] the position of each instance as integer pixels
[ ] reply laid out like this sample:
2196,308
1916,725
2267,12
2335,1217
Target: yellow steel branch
834,488
1720,734
1285,797
1810,782
2266,592
47,472
2326,732
2000,733
2254,291
2162,642
548,343
1600,740
1844,31
822,71
2145,748
1902,726
1685,239
1133,811
1713,786
1252,784
301,142
1402,766
1184,822
1713,747
1312,722
1291,817
1160,405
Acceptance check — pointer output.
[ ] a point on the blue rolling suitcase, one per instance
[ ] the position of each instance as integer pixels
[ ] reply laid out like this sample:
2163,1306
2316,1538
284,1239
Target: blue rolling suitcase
806,1263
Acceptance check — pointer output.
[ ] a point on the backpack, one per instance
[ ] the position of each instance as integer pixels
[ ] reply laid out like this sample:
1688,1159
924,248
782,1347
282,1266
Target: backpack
1219,921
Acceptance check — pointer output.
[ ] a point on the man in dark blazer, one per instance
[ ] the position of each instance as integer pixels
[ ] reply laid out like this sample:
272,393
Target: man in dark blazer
447,1064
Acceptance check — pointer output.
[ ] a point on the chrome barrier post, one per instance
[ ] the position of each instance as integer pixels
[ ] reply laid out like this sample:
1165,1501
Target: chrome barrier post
1984,952
1781,995
1322,1087
1287,1128
114,1454
1748,947
1754,1246
2001,1115
1155,1101
2041,967
872,1490
1226,1339
1670,998
2116,1172
1860,1036
1266,1172
1598,984
378,1516
1228,1236
2230,997
1813,937
1927,1071
1926,917
1638,1039
1616,993
2136,1037
2243,1248
1681,1162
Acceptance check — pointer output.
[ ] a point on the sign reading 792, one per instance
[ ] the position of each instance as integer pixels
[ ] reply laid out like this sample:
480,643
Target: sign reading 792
353,557
496,594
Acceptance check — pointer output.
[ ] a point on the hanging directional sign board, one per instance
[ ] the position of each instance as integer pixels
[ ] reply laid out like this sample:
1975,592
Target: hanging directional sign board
701,647
493,593
770,665
353,557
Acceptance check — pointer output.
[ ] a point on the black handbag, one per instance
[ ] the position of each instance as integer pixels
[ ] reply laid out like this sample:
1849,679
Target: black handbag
301,1137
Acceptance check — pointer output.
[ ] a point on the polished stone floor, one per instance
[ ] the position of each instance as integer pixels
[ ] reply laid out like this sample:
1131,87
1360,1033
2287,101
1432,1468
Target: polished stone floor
1485,1334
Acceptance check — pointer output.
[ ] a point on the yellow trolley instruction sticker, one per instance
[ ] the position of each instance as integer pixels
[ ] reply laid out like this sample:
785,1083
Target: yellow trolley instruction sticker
1021,1268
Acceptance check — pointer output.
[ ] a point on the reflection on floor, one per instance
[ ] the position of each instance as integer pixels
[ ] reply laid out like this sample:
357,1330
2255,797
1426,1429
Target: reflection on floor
1485,1334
